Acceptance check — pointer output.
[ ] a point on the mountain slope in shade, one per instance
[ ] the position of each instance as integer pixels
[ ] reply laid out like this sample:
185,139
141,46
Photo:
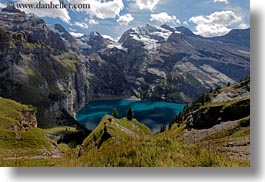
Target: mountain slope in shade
38,68
220,105
92,43
219,119
46,67
166,63
239,37
213,131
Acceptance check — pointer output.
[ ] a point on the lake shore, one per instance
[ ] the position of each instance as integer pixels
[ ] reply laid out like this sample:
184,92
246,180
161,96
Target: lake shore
153,114
109,97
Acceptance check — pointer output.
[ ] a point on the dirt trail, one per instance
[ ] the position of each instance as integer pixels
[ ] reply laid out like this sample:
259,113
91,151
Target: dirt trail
54,153
236,147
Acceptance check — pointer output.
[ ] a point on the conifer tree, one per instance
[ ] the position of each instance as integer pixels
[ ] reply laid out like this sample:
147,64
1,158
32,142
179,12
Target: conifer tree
115,113
130,114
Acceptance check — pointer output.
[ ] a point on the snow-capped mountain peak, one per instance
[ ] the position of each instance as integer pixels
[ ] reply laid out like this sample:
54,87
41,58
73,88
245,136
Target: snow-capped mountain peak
150,36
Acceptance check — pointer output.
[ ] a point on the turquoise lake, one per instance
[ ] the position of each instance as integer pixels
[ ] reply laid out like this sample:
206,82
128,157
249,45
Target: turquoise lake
151,113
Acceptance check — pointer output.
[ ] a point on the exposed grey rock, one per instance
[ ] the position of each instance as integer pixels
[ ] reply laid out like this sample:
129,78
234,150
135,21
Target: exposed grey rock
48,68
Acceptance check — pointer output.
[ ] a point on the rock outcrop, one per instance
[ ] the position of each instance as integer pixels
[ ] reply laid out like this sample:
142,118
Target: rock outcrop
38,68
113,130
28,119
220,105
17,117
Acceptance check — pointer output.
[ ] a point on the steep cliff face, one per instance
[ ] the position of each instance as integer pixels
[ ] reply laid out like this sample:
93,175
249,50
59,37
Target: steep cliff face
219,119
37,68
47,82
176,65
220,105
163,63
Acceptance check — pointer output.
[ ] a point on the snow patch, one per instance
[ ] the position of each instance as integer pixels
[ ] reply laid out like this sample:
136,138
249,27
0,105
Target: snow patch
82,43
85,38
150,36
161,32
117,45
108,37
52,28
75,34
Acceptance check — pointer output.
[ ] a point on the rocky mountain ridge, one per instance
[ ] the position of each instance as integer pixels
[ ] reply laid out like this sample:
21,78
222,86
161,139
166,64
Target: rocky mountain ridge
46,67
219,119
219,105
38,68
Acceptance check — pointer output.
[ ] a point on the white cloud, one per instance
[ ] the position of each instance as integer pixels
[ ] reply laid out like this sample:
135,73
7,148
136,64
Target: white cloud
82,25
2,5
92,21
125,19
102,9
164,18
243,26
72,29
74,34
54,13
211,30
86,23
221,1
146,4
185,23
215,24
109,9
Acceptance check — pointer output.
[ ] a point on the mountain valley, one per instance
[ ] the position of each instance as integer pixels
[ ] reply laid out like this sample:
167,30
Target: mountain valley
47,76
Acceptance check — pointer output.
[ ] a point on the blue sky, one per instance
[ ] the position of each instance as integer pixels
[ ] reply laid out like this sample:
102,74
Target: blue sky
113,17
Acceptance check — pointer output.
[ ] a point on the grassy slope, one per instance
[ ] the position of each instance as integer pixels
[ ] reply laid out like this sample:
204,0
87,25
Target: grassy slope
164,150
135,130
10,112
231,135
161,150
175,147
60,130
178,146
30,143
